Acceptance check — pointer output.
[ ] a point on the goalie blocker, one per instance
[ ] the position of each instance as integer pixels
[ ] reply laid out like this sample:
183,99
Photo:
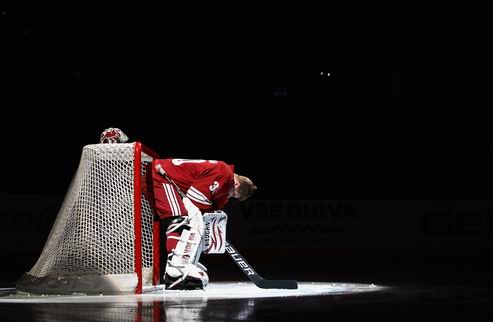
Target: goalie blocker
214,241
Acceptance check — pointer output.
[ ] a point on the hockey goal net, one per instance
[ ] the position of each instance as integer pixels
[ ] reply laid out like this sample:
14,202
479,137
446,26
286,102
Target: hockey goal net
104,239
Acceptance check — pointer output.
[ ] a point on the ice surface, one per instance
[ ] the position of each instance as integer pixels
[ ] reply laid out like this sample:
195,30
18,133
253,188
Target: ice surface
218,290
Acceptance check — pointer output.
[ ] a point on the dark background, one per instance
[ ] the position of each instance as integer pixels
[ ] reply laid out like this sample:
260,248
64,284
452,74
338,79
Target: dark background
343,101
398,118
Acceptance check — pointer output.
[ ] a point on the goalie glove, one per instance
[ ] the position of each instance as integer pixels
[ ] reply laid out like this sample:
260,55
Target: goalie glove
113,135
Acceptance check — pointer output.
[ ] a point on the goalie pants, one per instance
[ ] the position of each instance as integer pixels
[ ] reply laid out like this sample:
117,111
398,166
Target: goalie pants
165,200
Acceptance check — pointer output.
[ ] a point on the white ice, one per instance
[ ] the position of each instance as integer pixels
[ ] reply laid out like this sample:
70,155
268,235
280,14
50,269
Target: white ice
218,290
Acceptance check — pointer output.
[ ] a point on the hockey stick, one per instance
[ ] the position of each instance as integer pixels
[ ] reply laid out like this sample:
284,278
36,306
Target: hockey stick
258,280
245,267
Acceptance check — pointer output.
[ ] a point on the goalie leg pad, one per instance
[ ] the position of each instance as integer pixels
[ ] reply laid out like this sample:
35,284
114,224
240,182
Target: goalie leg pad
182,268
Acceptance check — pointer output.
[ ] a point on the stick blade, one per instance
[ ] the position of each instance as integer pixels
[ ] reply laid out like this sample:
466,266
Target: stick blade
282,284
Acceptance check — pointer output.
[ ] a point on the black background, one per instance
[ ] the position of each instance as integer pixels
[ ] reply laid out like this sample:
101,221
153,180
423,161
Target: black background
248,84
402,116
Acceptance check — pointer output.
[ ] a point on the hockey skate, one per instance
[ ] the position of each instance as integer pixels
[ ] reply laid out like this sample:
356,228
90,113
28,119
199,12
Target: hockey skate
185,276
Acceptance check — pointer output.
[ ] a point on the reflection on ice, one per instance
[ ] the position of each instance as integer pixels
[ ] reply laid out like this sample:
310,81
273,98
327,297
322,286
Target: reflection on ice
219,302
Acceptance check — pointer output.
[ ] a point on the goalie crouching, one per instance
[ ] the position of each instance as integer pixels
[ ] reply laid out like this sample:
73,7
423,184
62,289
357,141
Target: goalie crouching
182,190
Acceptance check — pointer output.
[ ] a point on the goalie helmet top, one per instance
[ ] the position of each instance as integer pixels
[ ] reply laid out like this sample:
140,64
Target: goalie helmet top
113,135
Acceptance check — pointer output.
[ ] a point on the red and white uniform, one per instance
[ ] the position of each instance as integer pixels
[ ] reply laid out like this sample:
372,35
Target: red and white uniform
206,183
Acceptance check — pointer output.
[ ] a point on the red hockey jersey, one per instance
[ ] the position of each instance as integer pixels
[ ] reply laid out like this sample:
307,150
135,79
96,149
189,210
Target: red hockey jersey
207,183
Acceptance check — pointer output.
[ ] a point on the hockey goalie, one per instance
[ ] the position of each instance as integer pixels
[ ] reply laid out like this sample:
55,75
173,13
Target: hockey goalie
181,191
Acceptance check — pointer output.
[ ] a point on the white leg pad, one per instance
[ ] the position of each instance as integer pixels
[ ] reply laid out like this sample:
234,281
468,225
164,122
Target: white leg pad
183,261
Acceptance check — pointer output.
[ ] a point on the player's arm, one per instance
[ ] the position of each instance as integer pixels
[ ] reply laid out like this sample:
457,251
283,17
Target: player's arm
201,193
209,189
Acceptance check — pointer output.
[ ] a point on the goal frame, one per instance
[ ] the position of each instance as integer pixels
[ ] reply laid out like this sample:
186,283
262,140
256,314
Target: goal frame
47,277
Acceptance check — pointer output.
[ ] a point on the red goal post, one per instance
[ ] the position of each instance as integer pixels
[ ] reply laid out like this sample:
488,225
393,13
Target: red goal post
139,169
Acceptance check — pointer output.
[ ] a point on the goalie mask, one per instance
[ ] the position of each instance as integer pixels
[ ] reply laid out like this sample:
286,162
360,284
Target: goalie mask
113,135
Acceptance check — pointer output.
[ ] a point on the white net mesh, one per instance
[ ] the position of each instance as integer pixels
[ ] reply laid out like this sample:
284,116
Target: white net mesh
94,229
